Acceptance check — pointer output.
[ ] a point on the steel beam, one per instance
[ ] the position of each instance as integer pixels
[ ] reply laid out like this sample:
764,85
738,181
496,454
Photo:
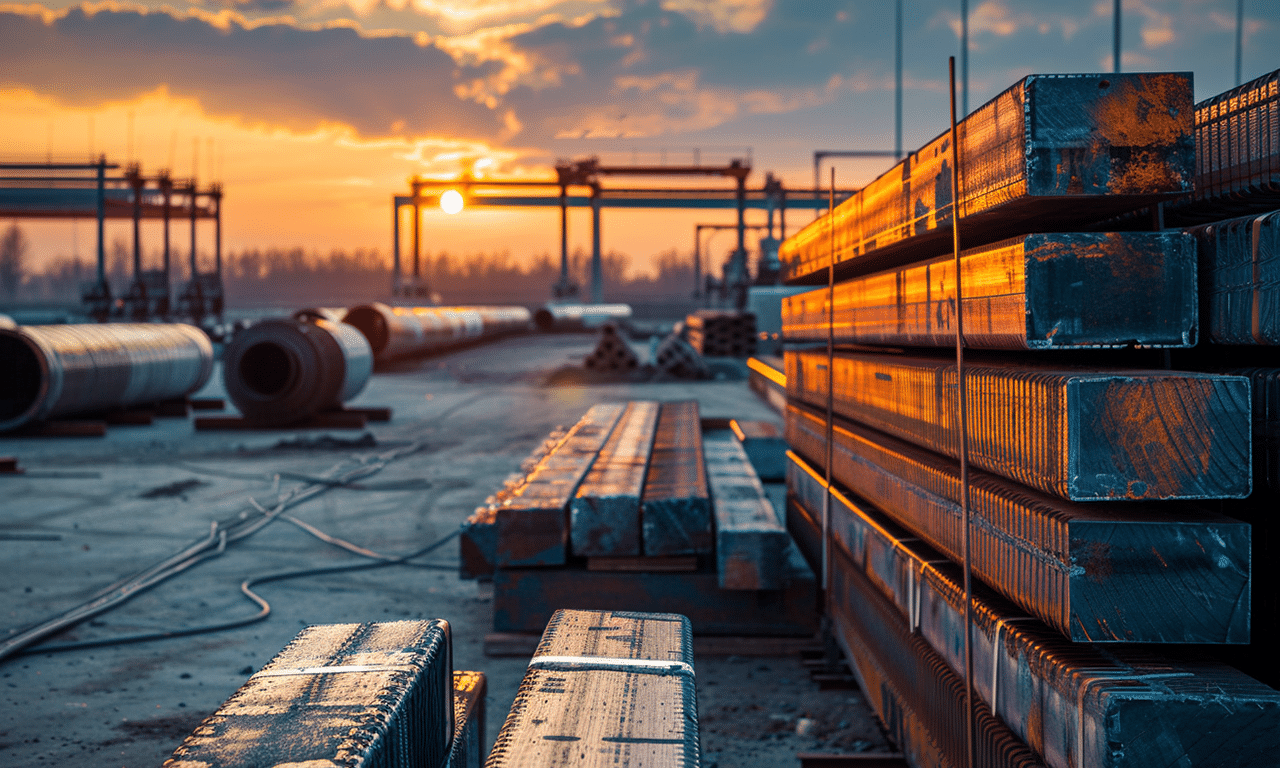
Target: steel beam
1050,291
750,536
676,509
1240,264
533,517
1051,153
1093,573
469,691
622,696
1074,704
604,515
1081,435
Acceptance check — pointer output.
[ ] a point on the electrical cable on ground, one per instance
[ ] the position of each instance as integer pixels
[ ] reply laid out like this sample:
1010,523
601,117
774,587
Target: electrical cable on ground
221,533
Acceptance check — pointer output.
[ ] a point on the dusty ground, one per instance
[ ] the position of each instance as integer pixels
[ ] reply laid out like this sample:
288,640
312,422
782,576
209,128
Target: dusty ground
91,511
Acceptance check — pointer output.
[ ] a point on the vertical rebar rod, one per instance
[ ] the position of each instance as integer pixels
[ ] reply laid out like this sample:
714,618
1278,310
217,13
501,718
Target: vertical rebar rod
1239,42
962,396
831,355
964,58
897,84
1115,36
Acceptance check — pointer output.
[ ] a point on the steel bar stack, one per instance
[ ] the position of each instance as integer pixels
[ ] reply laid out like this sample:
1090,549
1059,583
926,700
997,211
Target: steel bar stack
1105,490
722,333
605,688
469,689
370,695
643,506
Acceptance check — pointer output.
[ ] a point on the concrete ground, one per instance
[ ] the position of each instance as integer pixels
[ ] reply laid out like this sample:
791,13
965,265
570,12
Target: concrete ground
91,511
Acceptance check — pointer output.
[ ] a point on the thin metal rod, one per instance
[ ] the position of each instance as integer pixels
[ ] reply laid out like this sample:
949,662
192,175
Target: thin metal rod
963,397
964,57
1239,42
897,84
395,247
1115,37
831,354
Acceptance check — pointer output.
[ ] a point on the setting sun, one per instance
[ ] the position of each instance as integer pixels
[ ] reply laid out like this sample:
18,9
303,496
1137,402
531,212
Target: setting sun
451,201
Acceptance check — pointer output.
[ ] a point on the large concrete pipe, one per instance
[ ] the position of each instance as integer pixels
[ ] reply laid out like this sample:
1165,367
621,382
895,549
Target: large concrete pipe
568,317
62,370
280,371
398,331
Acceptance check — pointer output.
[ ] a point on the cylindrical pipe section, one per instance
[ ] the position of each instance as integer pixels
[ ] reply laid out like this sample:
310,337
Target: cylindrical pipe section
312,314
281,371
63,370
563,317
7,322
399,331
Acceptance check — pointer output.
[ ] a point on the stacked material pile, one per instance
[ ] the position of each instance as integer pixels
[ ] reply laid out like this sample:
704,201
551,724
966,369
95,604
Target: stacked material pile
1102,495
722,332
637,507
605,688
612,353
381,694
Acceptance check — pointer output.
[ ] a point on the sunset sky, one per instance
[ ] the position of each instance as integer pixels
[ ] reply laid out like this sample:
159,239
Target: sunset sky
312,113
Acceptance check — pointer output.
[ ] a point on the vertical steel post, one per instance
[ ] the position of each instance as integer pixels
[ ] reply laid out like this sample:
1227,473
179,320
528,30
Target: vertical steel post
697,261
102,217
897,83
195,268
564,239
1115,36
831,410
962,395
395,246
964,57
215,197
597,269
166,190
135,181
417,234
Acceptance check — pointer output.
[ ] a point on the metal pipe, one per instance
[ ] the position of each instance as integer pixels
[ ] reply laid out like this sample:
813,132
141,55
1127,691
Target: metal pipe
897,82
400,331
1115,36
561,317
964,57
395,246
63,370
312,314
280,371
1239,42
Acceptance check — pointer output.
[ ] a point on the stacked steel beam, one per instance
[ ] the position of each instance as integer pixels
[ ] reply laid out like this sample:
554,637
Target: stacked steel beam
722,333
1090,479
635,507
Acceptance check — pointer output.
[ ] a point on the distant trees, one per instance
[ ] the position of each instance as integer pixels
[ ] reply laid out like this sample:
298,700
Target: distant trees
13,252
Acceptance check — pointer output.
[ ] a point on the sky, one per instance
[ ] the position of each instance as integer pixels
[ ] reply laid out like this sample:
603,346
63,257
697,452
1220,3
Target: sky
313,113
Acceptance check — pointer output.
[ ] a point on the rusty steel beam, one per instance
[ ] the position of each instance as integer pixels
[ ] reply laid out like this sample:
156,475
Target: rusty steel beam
1073,704
1049,291
338,694
604,515
469,690
532,515
676,508
1240,264
1051,153
1079,434
525,598
605,688
920,701
751,539
1095,574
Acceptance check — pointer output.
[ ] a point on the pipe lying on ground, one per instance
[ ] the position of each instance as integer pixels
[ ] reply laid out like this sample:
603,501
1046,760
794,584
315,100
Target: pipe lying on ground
63,370
7,322
312,314
399,331
281,371
565,317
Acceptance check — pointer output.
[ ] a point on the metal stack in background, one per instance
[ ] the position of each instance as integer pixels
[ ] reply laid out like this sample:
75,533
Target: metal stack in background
612,353
1117,463
722,332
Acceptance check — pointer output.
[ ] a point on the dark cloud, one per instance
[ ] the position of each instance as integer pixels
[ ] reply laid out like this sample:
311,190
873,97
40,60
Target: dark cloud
274,73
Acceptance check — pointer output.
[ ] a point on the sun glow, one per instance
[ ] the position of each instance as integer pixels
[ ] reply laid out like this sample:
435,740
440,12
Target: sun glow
451,201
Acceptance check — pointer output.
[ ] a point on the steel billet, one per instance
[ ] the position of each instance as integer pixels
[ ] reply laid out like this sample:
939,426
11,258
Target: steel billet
64,370
281,371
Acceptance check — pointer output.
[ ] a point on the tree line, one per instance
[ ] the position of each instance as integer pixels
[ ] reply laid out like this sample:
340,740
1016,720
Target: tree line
296,277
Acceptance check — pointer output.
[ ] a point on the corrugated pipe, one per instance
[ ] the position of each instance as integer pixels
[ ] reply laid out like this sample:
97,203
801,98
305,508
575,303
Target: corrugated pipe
62,370
399,331
280,371
566,317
